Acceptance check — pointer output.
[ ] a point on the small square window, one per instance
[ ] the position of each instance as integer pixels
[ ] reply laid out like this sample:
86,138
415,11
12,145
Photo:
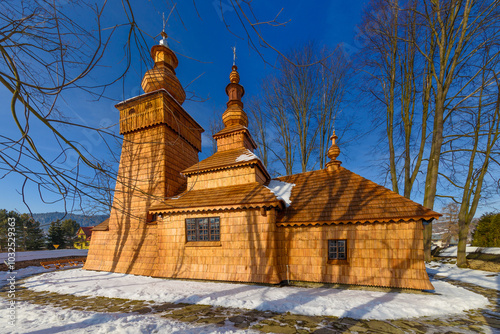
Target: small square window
337,250
191,229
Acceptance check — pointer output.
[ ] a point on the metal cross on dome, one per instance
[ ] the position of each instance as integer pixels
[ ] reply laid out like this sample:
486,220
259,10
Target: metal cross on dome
163,34
234,54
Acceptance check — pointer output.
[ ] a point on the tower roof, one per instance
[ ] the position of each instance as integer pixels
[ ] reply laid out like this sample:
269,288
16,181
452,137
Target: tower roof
162,75
234,114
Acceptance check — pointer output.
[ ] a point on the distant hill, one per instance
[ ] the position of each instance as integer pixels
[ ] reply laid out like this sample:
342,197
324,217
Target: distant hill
46,218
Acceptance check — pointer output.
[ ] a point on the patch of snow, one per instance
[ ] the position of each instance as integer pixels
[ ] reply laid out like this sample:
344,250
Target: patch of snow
32,318
45,254
282,190
452,251
485,279
358,304
21,273
247,156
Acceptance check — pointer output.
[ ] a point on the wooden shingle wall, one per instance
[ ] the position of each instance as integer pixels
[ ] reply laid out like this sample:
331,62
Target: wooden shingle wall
150,165
225,177
159,108
246,252
379,254
234,141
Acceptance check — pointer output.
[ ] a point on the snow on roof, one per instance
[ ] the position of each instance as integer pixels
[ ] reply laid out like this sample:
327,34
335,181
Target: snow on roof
282,190
247,156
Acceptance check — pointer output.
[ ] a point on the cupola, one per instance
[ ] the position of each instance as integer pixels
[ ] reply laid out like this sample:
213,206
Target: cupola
162,75
333,153
234,114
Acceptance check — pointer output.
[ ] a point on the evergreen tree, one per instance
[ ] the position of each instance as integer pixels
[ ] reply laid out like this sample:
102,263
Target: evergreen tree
3,230
487,233
28,234
35,238
19,223
56,235
70,228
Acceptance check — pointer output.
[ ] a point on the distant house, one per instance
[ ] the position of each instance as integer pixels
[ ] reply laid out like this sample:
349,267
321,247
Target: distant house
226,219
437,240
83,237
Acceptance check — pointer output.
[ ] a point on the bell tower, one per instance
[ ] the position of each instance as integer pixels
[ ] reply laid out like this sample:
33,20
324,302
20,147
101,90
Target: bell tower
160,139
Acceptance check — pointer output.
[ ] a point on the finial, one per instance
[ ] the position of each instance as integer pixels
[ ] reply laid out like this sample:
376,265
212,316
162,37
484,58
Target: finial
164,34
162,75
333,153
234,55
234,114
234,77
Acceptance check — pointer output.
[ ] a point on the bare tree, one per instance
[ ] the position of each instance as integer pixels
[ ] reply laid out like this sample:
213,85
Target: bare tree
333,73
51,47
458,28
472,148
299,106
280,122
258,128
47,51
214,127
450,219
435,66
396,78
299,86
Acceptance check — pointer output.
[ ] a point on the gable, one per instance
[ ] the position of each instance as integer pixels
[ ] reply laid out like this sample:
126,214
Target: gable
104,226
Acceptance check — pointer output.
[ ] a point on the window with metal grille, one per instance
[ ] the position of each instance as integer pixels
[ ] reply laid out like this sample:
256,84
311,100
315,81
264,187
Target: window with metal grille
203,229
337,250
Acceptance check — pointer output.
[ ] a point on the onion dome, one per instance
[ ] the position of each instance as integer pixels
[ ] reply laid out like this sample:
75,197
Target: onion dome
234,114
162,75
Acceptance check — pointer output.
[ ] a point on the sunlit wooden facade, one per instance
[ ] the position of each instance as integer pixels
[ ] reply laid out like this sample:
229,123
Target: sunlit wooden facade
225,219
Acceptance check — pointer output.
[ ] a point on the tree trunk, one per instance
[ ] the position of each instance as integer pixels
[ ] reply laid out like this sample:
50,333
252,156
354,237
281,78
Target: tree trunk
462,243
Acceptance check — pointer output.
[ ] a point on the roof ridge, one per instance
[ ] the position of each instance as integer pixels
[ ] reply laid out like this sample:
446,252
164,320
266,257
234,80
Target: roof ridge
211,163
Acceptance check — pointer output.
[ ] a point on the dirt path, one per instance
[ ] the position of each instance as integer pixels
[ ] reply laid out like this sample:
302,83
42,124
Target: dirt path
476,321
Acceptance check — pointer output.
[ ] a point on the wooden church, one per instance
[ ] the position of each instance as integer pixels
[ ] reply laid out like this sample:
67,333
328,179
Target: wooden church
225,219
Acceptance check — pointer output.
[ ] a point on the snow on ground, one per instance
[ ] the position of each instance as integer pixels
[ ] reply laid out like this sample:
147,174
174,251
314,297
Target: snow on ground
43,319
485,279
44,254
307,301
452,251
21,273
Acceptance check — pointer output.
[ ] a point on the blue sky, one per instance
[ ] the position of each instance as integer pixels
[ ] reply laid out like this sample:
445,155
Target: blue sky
203,45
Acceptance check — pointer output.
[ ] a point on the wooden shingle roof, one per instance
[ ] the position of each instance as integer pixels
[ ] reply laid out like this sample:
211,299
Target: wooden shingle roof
251,195
230,129
104,226
226,159
341,196
87,230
